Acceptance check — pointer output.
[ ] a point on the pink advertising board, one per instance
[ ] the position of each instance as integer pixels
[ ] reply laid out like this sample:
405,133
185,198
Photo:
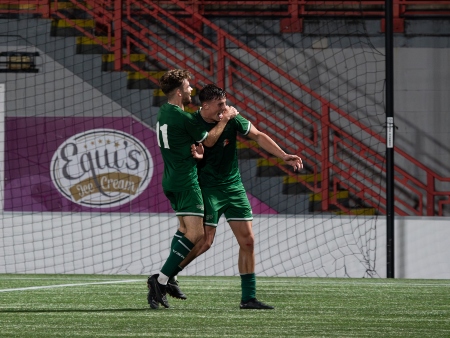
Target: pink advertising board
77,164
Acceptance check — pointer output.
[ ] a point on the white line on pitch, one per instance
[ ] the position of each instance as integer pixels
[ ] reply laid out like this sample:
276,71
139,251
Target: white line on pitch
66,285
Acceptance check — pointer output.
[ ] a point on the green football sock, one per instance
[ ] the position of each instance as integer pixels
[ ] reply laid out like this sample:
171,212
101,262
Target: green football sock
178,235
177,254
248,286
174,276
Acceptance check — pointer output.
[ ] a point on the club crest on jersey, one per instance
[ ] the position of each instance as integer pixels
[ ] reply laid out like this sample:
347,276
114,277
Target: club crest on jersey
226,142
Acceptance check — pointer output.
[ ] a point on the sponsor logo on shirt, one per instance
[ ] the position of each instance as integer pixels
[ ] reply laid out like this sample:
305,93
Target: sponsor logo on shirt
226,142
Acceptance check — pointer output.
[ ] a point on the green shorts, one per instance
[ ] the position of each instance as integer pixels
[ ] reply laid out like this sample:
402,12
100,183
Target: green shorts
187,202
231,201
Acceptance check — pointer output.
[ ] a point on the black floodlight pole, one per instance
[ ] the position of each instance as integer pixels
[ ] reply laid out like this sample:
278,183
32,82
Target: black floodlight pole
389,41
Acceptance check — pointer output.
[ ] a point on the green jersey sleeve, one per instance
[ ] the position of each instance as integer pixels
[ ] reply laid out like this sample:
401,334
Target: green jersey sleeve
242,125
195,129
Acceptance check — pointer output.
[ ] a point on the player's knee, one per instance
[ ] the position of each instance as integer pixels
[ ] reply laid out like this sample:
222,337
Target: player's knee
248,244
251,240
194,236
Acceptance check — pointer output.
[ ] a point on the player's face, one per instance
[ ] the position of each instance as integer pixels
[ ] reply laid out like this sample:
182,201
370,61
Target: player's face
186,90
214,109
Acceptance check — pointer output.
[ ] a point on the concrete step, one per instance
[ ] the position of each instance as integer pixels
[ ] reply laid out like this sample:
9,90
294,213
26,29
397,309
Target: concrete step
270,167
294,185
87,66
139,60
269,190
61,27
87,45
341,197
141,80
247,152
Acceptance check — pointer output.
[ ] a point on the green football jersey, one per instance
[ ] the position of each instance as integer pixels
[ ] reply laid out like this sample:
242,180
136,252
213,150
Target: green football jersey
219,166
177,130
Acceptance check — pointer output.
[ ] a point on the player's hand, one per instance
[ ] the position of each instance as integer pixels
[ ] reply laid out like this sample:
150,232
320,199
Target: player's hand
294,161
229,113
197,151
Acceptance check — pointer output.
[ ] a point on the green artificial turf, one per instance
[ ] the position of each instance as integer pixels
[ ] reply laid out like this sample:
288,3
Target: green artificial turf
78,306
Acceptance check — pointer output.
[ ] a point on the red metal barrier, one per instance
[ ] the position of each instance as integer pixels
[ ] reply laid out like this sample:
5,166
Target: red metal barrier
124,28
290,11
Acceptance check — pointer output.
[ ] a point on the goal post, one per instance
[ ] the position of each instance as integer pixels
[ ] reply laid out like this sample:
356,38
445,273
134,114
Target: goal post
82,168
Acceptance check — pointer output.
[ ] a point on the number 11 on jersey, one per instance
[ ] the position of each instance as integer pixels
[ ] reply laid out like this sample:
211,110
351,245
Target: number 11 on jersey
165,139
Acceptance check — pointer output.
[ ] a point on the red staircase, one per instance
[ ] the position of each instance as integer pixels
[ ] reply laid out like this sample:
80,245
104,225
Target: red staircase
119,30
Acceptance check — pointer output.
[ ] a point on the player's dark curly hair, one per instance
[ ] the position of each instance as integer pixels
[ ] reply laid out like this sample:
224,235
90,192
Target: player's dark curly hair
173,79
211,92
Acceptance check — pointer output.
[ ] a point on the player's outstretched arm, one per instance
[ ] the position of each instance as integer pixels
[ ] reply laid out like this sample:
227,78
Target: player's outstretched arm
270,146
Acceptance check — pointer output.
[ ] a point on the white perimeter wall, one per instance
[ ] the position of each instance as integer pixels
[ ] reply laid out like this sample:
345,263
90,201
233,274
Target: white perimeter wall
128,244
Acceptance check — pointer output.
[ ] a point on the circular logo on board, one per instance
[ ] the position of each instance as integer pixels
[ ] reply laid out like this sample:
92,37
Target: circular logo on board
101,168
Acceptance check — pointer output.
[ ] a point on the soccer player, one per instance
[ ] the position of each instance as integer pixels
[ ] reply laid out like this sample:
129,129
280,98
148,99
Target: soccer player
222,188
176,131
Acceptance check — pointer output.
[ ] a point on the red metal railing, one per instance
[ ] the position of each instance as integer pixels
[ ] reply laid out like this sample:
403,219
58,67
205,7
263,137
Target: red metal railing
291,9
301,8
220,66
